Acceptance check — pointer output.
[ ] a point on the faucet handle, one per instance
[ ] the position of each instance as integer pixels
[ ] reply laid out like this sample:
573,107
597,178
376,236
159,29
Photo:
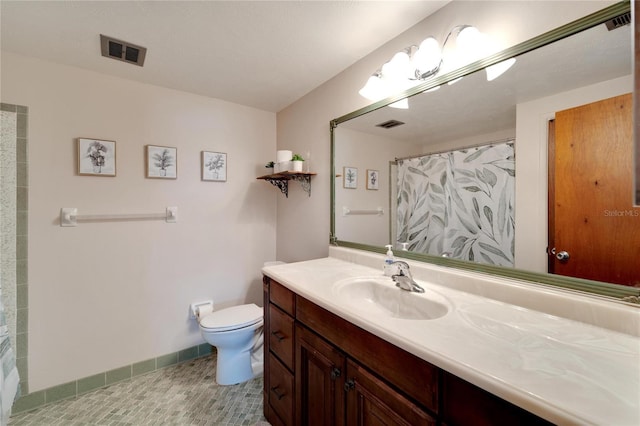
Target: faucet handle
403,268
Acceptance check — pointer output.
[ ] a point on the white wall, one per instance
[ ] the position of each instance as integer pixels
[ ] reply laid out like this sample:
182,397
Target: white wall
105,295
532,122
304,125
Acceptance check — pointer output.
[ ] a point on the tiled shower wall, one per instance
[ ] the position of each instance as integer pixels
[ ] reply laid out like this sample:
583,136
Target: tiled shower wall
13,227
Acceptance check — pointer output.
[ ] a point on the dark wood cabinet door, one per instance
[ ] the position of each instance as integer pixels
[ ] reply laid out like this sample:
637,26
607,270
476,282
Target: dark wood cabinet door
371,402
466,404
319,380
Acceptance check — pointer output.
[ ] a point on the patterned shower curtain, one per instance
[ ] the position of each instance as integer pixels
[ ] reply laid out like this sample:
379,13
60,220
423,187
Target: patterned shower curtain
459,204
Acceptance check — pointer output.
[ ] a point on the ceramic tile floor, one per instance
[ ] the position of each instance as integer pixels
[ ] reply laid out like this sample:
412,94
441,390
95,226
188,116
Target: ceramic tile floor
184,394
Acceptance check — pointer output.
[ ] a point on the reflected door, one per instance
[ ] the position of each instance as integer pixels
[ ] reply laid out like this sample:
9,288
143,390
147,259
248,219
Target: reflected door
596,229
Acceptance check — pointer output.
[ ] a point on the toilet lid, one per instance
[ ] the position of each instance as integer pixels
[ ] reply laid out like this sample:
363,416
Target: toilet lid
232,318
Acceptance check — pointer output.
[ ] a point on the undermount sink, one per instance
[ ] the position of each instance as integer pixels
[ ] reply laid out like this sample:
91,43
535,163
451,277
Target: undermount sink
380,296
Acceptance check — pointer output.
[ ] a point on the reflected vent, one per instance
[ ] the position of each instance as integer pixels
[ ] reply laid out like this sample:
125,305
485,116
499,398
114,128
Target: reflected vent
390,124
619,21
122,50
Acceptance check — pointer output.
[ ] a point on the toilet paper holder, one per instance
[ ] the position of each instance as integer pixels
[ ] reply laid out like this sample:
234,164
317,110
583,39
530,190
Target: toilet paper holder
194,308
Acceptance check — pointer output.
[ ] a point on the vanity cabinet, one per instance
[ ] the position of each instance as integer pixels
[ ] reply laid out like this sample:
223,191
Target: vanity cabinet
323,370
279,330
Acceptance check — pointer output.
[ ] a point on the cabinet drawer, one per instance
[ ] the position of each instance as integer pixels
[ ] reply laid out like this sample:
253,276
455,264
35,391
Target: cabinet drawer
283,297
281,391
281,335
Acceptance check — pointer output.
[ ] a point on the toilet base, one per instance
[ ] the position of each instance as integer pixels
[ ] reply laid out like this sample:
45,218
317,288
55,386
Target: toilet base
235,368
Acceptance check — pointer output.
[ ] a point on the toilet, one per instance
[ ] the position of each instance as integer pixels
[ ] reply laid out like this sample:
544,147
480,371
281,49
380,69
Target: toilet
237,334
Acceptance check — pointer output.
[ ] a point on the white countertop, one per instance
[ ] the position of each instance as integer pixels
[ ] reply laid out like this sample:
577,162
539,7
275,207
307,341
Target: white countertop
566,371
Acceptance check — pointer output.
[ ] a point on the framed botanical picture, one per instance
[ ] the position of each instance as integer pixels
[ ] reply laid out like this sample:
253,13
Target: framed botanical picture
214,166
372,179
96,157
350,179
162,162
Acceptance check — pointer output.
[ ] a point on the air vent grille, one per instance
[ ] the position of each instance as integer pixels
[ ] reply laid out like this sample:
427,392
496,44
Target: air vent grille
122,50
618,21
390,124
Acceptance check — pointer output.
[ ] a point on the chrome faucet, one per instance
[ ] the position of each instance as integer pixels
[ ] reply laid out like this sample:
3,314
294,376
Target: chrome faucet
403,278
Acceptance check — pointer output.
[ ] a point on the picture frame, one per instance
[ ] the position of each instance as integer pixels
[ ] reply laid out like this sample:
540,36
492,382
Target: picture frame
161,162
214,166
96,157
373,177
350,177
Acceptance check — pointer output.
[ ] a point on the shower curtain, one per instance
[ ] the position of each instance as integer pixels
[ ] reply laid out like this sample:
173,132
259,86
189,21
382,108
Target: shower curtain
459,204
9,379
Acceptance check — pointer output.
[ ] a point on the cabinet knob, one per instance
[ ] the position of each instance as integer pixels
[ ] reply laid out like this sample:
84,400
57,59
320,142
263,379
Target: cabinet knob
335,373
278,335
277,392
349,384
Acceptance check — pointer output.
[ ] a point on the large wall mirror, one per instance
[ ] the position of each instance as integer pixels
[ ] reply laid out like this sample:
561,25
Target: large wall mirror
529,175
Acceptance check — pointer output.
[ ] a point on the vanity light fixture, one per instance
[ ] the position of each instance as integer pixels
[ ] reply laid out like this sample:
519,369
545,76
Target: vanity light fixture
415,64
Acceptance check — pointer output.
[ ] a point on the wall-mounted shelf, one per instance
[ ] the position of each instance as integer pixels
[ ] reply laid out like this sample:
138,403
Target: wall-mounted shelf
281,180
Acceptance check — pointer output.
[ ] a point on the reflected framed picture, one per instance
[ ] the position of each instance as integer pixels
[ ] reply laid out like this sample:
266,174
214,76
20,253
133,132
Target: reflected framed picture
96,157
350,177
373,176
161,162
214,166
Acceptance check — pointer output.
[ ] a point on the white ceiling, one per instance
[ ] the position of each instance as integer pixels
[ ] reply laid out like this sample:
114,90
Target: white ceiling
263,54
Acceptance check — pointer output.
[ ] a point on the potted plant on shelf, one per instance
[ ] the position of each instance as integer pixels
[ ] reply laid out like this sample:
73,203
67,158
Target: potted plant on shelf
297,161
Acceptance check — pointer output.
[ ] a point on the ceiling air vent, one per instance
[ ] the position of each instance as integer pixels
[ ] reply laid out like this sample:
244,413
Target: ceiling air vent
390,124
122,50
618,21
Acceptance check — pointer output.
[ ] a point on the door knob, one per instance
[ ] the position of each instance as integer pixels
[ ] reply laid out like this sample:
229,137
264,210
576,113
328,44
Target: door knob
561,255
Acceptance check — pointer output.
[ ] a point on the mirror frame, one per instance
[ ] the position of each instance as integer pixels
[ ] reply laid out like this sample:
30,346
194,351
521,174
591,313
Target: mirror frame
613,291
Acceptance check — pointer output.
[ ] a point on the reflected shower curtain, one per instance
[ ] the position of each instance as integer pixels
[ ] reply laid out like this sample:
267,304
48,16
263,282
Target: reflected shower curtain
459,204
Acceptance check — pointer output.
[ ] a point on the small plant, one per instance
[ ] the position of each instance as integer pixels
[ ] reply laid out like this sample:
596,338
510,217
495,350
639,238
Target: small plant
270,165
297,157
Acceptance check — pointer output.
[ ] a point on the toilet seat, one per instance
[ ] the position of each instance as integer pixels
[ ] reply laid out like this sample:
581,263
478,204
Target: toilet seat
232,318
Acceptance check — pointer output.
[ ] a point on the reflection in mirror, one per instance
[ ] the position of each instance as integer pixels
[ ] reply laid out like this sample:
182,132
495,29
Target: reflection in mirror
444,165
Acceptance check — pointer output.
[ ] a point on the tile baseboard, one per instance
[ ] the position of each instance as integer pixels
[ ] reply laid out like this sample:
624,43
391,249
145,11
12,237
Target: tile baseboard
78,387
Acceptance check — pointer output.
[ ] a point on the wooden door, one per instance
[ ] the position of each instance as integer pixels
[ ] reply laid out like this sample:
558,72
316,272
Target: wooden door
591,194
319,381
371,402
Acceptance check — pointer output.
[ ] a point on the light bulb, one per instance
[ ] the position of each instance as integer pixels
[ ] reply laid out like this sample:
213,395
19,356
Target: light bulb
468,38
426,60
374,89
397,68
401,104
495,71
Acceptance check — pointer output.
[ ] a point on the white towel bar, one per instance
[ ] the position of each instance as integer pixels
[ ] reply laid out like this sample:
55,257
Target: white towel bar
346,211
69,216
